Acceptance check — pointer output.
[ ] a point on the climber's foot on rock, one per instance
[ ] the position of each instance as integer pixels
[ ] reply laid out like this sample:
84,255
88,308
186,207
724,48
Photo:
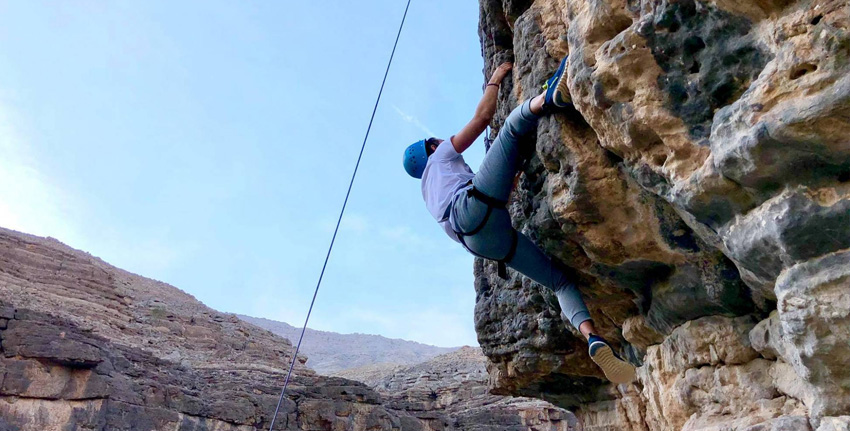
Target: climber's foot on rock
557,93
615,368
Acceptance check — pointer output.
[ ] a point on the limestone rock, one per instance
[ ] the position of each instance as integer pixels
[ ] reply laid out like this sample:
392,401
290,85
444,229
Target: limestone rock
85,345
814,311
451,392
700,193
835,424
639,334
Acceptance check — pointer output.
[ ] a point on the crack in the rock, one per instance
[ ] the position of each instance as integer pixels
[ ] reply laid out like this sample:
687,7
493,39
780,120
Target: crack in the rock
72,400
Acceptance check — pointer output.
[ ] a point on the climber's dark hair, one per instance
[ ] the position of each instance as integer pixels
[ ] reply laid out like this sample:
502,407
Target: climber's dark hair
428,143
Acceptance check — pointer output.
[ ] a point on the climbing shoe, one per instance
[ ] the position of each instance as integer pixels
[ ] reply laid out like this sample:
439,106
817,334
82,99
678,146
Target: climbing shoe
615,368
557,93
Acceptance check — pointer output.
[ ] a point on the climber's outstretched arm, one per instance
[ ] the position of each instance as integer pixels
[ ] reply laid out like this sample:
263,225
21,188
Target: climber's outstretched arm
483,113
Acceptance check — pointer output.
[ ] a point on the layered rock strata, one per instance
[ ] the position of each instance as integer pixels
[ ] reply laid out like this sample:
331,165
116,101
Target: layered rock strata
700,191
87,346
450,392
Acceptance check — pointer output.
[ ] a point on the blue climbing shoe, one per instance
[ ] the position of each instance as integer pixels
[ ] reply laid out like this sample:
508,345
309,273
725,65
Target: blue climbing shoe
557,93
615,368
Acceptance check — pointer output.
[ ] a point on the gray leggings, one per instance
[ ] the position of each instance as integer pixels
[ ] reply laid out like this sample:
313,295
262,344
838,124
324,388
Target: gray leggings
495,179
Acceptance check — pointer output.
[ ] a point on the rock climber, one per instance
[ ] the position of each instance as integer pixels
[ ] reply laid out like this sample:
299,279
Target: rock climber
471,208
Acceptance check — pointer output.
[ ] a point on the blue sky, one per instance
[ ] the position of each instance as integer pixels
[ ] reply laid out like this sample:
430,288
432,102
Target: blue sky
209,144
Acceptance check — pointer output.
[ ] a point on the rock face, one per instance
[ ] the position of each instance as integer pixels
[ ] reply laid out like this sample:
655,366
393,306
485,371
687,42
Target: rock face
450,392
330,352
87,346
700,191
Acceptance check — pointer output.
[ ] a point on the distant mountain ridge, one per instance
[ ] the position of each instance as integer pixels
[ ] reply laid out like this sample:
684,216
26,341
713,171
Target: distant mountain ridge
330,352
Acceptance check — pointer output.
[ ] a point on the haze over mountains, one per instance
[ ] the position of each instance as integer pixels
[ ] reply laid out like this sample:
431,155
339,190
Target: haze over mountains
330,352
429,388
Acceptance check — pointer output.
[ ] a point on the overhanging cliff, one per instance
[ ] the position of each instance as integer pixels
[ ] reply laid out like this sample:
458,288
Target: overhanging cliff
701,191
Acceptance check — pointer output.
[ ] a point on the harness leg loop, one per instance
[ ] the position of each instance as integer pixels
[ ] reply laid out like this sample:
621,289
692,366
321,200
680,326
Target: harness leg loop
490,203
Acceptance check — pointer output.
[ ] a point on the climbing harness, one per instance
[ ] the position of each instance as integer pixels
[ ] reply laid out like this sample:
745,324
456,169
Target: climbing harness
491,203
339,220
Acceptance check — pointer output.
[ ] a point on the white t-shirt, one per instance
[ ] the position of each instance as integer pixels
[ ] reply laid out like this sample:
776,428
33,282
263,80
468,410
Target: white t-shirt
445,173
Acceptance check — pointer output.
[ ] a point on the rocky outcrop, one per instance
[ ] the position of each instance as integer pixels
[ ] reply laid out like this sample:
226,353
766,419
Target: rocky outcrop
330,352
700,191
450,392
87,346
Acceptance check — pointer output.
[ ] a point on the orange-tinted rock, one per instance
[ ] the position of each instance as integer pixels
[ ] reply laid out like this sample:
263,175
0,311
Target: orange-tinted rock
705,171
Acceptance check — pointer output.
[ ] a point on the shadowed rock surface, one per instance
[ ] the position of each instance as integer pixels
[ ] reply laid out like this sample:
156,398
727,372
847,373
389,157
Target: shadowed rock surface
700,191
330,352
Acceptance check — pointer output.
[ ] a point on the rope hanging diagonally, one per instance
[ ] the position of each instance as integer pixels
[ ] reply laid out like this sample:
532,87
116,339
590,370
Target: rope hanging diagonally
339,220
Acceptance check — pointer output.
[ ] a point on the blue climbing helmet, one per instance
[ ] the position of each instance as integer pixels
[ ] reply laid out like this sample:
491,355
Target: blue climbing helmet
415,159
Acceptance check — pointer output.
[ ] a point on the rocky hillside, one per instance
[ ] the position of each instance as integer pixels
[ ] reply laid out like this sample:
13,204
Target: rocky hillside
87,346
451,392
700,190
330,352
